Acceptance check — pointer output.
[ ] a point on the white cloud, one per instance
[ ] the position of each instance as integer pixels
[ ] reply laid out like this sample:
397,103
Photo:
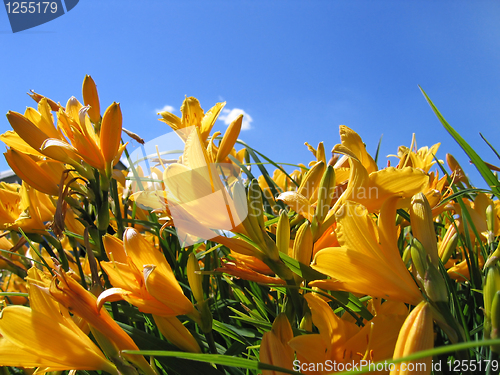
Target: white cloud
229,115
166,108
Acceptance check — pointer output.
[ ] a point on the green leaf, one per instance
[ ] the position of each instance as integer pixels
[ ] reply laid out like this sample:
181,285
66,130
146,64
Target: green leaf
301,269
218,359
13,294
489,144
378,148
425,353
483,169
181,366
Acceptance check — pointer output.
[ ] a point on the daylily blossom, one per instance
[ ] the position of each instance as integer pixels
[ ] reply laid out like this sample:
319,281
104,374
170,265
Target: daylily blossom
274,348
24,207
35,134
65,290
44,335
368,260
343,341
142,276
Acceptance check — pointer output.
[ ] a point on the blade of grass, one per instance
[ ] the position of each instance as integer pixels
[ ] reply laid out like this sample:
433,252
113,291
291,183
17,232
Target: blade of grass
489,144
483,169
378,148
217,359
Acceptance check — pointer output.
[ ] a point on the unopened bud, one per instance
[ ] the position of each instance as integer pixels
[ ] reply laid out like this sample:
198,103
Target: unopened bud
325,194
303,244
283,233
423,226
311,181
418,257
91,98
449,243
195,279
434,285
495,321
306,322
490,218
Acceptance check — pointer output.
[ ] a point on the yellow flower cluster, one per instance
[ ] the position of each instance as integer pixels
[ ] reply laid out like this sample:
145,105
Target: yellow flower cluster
337,263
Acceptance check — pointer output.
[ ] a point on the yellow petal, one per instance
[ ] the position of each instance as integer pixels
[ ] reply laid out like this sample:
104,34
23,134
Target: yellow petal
405,182
13,140
35,137
175,332
209,119
41,334
192,114
353,142
172,120
164,290
360,273
114,248
298,203
274,352
28,170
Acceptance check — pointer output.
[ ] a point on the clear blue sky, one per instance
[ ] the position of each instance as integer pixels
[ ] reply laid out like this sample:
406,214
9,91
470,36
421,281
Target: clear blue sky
298,68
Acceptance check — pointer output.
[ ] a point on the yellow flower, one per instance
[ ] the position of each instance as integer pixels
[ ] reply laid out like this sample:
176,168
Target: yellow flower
368,260
415,335
13,283
35,134
422,159
142,276
343,341
274,348
46,336
24,207
193,115
69,293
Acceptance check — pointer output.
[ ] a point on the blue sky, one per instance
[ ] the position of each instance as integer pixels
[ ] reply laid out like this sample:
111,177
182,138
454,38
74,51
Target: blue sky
297,68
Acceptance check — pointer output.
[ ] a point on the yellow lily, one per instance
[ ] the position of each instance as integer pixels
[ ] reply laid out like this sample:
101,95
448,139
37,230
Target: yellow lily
142,276
422,159
415,335
36,134
195,191
69,293
343,342
45,335
193,115
368,260
274,348
18,208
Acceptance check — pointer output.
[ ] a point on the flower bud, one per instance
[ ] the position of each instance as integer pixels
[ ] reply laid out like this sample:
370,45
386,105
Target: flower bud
418,257
423,226
325,194
303,244
448,244
91,98
434,285
283,233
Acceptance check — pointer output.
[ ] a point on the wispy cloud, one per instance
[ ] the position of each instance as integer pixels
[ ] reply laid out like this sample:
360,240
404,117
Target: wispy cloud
229,115
166,108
